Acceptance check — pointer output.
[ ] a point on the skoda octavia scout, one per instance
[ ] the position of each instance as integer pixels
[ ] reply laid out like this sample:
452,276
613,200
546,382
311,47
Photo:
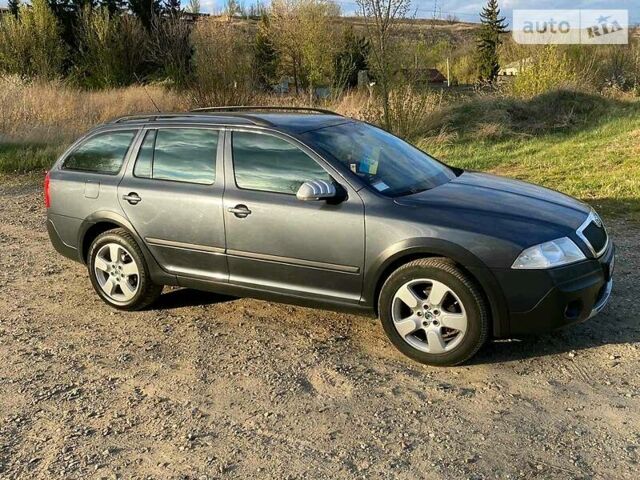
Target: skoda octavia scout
312,208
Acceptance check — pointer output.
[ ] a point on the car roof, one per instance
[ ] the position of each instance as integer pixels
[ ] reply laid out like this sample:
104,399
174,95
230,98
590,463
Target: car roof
296,121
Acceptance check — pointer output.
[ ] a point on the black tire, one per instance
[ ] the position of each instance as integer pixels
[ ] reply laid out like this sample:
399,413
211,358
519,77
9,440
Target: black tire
147,292
445,271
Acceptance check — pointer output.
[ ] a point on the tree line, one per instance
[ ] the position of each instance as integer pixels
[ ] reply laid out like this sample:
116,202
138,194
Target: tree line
111,43
107,43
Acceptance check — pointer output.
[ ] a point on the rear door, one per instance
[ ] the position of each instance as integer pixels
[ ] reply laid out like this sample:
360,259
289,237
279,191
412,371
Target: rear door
313,248
172,194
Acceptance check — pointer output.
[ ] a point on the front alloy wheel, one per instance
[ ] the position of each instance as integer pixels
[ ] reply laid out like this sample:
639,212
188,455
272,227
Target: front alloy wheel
429,316
434,312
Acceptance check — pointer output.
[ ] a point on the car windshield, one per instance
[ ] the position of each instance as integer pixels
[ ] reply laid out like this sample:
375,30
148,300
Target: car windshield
386,163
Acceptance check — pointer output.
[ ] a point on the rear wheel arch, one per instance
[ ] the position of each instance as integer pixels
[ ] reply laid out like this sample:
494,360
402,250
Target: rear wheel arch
100,222
92,233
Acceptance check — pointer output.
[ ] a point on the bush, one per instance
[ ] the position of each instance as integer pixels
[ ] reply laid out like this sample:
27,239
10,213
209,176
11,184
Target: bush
548,69
411,113
112,48
31,45
171,49
222,65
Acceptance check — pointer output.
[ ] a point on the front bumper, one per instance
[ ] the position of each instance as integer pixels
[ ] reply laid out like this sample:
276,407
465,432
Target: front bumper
543,300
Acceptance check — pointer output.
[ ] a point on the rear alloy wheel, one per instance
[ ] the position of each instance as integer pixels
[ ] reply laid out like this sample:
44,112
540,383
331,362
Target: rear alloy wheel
119,273
433,312
116,272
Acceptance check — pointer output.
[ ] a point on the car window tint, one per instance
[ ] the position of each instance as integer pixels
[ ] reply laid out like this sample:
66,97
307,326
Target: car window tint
185,155
145,156
102,153
267,163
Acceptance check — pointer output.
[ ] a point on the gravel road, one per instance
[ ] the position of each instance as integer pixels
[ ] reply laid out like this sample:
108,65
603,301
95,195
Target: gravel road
204,386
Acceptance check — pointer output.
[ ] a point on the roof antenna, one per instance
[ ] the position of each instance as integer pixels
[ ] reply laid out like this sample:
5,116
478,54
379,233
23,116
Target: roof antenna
146,92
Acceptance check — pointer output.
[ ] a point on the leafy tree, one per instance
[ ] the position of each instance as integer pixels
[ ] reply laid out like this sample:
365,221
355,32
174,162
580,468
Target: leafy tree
111,51
265,58
303,33
489,41
14,7
30,45
145,10
350,59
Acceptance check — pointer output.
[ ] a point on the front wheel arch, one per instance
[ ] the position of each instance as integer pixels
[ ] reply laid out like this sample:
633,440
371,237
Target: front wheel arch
413,249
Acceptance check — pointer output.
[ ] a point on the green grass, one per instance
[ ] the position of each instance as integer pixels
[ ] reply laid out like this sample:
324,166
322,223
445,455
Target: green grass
29,157
595,158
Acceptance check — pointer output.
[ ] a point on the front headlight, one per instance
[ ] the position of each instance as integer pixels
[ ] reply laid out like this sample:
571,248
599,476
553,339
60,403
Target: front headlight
549,254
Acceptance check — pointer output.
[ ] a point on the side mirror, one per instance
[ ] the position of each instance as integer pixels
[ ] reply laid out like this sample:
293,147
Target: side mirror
316,190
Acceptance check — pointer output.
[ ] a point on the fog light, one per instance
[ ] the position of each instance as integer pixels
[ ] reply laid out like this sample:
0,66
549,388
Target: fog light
573,309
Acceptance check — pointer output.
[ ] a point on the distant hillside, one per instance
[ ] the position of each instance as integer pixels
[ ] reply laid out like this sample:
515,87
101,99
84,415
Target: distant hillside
408,29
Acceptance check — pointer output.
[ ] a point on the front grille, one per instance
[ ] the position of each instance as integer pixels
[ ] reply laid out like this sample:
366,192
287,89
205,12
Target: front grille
596,236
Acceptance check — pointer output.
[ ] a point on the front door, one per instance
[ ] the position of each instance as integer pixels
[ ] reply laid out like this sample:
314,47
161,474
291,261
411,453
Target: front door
280,243
172,195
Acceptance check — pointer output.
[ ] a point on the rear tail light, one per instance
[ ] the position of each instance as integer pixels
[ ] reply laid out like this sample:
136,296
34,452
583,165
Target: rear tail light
47,195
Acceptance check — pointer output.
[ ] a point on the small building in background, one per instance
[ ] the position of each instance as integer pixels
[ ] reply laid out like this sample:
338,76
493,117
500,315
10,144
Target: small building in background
285,85
515,68
423,76
191,17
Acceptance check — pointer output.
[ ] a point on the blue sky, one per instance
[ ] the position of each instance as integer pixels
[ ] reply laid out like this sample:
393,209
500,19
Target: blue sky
468,9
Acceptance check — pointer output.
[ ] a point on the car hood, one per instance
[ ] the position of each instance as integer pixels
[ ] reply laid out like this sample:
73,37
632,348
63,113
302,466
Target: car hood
489,203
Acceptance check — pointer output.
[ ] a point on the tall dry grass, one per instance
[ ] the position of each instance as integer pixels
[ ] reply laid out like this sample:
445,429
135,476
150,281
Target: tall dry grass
53,112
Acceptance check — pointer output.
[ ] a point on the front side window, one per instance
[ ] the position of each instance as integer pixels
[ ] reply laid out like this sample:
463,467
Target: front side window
179,155
270,164
102,153
386,163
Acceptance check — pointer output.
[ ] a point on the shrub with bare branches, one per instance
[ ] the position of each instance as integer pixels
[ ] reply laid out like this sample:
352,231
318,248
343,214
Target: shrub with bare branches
222,65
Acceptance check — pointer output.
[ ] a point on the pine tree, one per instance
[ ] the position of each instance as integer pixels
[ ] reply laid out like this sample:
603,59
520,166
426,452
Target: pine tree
145,10
351,59
265,58
489,41
14,7
172,8
115,7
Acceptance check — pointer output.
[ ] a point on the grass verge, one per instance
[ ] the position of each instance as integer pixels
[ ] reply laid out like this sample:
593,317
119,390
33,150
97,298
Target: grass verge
596,158
27,157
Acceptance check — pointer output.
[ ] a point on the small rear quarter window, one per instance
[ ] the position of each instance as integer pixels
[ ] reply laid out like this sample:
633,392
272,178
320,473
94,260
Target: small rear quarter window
102,153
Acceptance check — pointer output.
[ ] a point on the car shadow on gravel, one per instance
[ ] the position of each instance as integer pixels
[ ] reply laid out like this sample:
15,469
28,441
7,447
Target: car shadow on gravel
186,297
572,339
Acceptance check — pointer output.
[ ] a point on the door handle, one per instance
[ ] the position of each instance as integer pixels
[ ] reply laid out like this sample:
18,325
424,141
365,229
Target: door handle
133,198
240,211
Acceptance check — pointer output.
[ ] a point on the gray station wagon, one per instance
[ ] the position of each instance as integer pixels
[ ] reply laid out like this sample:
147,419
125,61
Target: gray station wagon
309,207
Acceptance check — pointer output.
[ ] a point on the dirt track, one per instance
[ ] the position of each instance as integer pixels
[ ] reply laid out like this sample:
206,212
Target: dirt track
210,387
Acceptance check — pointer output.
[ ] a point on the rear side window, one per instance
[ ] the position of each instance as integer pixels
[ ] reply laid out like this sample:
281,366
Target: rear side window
270,164
102,153
179,155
